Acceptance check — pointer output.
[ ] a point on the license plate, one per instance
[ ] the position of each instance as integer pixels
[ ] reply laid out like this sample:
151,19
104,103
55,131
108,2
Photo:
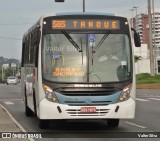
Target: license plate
88,109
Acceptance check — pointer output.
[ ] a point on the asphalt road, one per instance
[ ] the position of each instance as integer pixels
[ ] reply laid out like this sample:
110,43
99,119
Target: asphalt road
147,118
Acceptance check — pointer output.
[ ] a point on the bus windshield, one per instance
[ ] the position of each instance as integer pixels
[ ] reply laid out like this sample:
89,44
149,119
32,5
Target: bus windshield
97,57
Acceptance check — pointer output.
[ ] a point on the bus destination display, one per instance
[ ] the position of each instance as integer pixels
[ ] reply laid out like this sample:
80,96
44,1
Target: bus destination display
95,24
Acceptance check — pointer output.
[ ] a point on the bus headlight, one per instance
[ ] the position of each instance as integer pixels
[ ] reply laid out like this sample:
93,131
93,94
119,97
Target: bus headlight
125,94
49,94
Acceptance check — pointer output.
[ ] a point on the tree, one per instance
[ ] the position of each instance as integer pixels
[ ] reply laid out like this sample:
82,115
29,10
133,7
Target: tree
8,72
0,76
137,58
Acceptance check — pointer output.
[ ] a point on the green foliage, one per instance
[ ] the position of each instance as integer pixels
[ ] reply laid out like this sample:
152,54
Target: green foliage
6,73
146,78
0,77
137,58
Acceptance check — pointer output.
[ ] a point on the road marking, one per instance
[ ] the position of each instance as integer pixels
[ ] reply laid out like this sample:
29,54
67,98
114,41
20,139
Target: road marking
148,96
142,99
18,99
9,103
154,98
135,124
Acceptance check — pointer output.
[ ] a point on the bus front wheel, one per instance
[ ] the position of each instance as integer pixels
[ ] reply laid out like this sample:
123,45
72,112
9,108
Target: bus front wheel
112,122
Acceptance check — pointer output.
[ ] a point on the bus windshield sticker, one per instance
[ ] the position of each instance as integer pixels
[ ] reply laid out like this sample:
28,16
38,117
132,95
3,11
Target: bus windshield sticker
91,37
123,63
57,57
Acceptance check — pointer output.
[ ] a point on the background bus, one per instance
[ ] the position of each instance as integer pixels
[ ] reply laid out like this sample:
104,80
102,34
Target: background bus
79,66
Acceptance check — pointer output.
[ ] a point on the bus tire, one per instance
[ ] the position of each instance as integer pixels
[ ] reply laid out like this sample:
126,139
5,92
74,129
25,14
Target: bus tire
112,122
43,124
28,111
34,103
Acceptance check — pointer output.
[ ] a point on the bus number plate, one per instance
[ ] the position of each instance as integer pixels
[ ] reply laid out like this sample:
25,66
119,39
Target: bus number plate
88,109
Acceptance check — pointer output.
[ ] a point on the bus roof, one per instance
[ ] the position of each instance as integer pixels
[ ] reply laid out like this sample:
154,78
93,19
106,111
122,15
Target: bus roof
84,13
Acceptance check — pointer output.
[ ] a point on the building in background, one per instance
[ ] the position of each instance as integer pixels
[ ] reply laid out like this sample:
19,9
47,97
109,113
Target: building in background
140,23
5,66
143,65
157,28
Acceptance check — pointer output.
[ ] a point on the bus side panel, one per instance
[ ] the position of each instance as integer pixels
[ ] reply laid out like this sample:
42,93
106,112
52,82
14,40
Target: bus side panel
38,84
22,83
27,86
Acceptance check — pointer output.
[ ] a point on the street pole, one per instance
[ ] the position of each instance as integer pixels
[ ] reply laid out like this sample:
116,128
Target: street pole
83,5
154,40
132,18
135,7
2,73
150,39
13,71
138,30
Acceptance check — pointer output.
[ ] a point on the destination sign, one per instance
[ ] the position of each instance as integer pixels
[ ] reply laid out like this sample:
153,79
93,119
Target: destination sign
94,24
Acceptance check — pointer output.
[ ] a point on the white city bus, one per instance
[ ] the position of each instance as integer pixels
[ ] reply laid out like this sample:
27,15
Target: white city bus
79,66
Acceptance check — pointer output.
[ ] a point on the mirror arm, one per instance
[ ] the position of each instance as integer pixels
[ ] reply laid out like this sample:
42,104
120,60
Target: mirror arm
133,30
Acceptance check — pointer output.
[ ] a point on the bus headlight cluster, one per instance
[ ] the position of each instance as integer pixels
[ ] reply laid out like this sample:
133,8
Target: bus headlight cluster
125,94
49,94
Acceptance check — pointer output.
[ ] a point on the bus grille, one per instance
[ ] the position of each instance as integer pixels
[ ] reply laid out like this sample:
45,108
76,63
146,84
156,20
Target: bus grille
88,91
77,112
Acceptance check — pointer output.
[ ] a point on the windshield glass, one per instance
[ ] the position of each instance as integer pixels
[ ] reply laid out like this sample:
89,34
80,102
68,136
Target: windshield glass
86,57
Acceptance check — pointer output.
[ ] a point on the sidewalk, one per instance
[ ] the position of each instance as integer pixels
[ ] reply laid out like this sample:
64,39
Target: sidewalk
9,124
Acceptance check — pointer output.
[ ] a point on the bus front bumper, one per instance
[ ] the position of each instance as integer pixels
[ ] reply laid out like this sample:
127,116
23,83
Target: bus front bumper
122,110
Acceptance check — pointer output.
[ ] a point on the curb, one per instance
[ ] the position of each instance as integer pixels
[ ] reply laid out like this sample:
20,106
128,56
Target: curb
148,86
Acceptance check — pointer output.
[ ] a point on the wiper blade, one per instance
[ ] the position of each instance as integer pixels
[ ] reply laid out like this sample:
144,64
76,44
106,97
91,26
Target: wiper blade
71,40
100,42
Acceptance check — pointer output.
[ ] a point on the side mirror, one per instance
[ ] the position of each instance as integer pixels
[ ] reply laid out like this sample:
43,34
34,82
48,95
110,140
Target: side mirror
137,40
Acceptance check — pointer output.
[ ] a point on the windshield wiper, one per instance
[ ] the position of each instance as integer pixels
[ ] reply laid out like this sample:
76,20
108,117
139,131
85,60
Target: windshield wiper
71,40
81,50
100,42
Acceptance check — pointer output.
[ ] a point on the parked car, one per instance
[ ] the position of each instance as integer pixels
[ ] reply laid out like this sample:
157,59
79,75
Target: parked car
12,80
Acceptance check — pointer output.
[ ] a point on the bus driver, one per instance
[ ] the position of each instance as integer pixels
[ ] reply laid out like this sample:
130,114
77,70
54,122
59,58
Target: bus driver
108,56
